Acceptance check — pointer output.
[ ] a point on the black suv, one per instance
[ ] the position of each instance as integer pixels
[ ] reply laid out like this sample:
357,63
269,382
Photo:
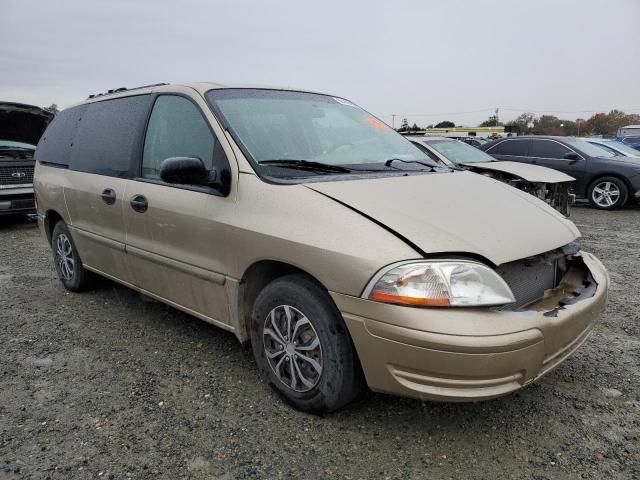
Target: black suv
21,126
606,180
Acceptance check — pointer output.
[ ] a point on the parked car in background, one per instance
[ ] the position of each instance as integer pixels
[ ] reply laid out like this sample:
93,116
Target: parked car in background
606,180
473,141
617,148
303,224
631,141
544,183
628,131
21,127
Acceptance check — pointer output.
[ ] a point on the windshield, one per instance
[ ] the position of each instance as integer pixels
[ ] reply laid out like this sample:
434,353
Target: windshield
276,125
621,147
458,152
588,148
6,144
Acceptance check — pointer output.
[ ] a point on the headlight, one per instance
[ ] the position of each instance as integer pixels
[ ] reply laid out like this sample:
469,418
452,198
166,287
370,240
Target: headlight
445,283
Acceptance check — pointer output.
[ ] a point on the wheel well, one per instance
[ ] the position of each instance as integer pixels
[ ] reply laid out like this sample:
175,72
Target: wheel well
602,175
255,278
51,219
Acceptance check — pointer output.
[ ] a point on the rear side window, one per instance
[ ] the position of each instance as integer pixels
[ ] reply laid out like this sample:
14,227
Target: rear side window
547,149
55,145
516,148
107,140
178,129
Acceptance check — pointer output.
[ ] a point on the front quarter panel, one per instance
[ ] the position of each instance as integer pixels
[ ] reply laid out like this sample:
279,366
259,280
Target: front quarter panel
295,225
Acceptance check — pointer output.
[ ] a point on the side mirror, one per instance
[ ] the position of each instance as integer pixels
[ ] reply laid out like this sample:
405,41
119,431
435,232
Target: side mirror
572,156
186,171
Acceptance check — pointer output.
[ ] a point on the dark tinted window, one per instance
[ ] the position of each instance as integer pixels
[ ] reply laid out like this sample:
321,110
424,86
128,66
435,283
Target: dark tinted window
55,144
107,139
547,149
511,147
178,129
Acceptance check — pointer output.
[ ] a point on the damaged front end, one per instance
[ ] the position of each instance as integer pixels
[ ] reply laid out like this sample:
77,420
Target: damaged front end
558,195
547,283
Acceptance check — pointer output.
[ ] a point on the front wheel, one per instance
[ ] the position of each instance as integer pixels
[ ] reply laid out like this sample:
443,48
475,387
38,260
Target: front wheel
69,267
608,193
302,346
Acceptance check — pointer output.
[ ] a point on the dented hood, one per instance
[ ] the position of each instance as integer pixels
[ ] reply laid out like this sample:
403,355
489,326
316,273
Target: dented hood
457,212
530,173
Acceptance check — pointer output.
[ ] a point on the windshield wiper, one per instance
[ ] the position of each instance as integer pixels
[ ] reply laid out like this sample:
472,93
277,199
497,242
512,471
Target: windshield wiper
391,160
306,165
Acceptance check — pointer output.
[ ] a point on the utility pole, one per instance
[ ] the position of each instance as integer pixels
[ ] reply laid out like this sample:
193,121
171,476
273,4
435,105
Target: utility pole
496,116
393,121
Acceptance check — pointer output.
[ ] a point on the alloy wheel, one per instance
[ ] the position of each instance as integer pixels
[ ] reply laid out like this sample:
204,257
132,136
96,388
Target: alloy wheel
64,257
292,348
606,194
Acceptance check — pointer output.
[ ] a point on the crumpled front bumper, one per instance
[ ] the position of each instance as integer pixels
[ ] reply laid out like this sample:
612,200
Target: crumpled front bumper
460,354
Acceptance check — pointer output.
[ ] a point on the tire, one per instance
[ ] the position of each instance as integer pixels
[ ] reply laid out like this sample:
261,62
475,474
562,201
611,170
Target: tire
67,261
607,193
312,311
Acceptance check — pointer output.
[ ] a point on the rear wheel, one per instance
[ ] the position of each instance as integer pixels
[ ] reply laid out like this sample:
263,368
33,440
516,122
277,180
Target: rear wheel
302,346
608,193
69,267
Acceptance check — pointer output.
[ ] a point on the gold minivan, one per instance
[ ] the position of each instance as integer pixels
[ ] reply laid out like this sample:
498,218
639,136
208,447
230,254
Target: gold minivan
307,226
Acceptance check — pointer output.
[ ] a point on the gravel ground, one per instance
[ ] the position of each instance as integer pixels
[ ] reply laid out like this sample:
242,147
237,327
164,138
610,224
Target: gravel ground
109,384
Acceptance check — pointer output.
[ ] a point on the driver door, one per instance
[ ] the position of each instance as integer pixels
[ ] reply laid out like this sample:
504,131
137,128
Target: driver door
175,233
549,153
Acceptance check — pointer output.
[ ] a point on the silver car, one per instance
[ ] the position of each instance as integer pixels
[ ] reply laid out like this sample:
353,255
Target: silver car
545,183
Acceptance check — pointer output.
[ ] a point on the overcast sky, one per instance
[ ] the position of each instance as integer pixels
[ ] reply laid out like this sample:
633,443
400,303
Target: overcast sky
437,58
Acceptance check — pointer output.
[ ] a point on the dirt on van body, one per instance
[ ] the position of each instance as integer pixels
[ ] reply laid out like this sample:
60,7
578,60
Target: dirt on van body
108,384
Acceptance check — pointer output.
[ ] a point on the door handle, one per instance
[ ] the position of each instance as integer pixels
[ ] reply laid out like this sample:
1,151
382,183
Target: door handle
139,203
109,196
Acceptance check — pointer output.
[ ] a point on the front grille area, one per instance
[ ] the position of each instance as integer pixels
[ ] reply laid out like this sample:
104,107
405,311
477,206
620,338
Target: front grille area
16,175
530,278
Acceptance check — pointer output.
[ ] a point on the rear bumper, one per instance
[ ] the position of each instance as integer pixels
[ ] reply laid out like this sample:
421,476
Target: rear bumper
469,354
17,200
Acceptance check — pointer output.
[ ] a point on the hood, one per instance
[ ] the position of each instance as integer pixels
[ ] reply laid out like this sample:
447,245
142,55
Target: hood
530,173
459,212
23,123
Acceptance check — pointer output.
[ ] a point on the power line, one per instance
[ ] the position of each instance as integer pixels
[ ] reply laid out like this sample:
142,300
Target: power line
513,109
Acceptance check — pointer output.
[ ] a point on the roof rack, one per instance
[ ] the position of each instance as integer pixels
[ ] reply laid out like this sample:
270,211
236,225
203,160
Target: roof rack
124,89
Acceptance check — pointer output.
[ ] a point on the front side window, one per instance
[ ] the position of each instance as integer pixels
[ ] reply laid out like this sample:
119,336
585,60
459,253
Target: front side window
275,125
547,149
177,129
458,152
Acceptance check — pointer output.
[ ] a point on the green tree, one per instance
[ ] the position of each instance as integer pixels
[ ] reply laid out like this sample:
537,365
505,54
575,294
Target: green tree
608,123
404,126
445,124
522,123
492,121
546,125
